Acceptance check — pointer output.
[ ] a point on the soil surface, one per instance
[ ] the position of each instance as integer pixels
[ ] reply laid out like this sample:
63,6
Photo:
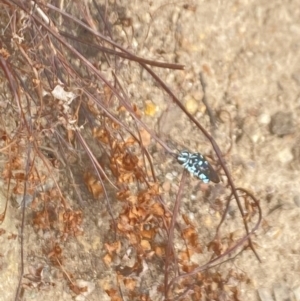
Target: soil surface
248,54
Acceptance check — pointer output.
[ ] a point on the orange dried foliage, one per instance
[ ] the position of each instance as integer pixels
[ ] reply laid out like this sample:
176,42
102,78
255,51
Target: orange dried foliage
133,214
127,177
14,169
136,110
92,106
216,246
101,134
146,137
187,268
132,199
125,166
190,235
124,194
107,93
70,135
147,234
18,188
185,255
41,220
107,259
114,125
150,194
12,236
72,221
125,21
93,185
56,254
251,209
123,225
4,53
159,251
113,247
141,212
113,294
141,297
157,209
145,244
133,238
129,162
20,176
130,141
239,276
122,109
197,293
130,283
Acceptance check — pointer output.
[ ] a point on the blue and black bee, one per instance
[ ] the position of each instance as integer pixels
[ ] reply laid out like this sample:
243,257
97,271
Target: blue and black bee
198,166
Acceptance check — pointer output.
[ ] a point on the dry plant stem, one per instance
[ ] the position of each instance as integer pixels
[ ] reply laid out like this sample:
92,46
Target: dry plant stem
120,288
170,247
126,54
64,271
36,147
104,18
61,157
215,147
42,157
98,74
124,101
11,80
227,208
15,92
204,100
96,166
215,261
3,214
14,141
230,131
36,74
27,168
93,158
122,54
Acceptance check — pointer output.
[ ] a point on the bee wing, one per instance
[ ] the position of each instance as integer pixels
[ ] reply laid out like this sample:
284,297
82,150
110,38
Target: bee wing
213,176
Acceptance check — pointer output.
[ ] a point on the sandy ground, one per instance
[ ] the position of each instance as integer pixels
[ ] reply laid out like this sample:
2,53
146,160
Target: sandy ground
249,54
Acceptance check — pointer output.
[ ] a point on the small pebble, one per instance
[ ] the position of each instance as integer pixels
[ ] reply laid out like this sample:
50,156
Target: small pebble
265,294
89,287
297,201
166,186
296,292
191,105
264,118
282,124
281,291
285,155
170,176
150,108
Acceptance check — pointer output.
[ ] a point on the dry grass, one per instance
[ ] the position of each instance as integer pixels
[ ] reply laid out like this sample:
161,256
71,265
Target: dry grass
67,121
